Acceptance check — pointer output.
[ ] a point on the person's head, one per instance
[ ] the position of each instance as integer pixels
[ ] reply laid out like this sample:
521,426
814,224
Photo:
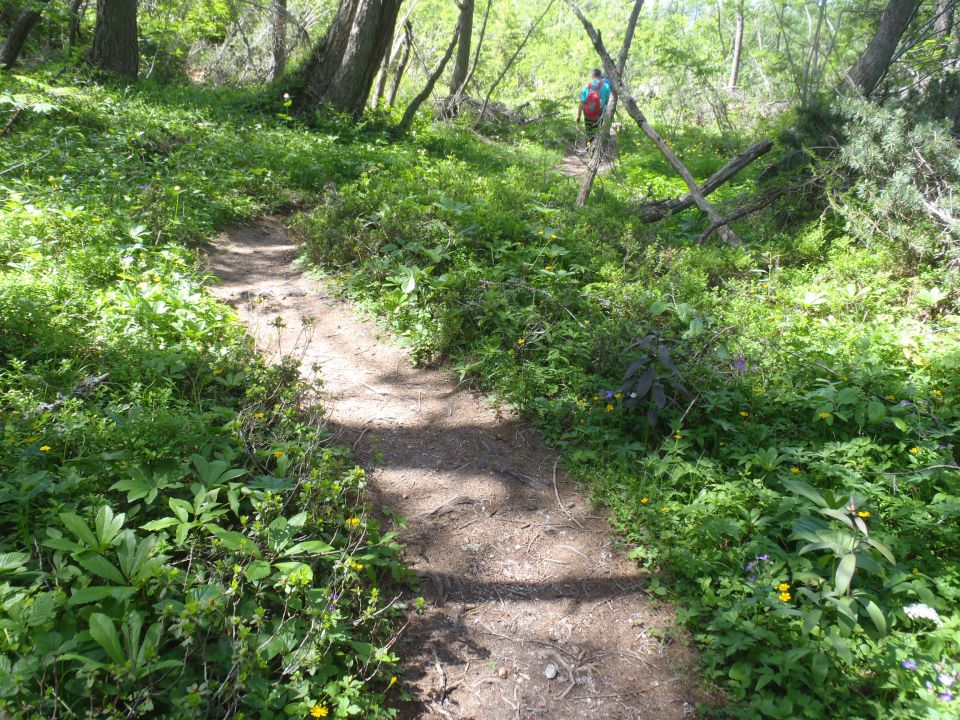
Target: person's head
596,74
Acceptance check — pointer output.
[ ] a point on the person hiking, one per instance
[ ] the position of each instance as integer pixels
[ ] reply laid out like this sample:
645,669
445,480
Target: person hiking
593,102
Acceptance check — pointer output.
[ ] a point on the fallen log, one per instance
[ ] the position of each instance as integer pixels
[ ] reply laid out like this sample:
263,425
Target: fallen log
661,209
750,208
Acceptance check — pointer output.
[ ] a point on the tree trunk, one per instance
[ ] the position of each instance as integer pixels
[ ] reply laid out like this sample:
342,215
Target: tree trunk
342,66
77,9
874,62
404,59
415,104
944,22
605,136
8,13
737,48
18,36
278,18
462,66
115,47
634,111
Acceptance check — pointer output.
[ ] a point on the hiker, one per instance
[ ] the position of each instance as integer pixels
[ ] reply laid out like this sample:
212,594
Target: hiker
593,102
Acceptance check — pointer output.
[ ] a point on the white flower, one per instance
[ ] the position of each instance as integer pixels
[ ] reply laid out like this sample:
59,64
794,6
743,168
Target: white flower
126,261
633,395
919,611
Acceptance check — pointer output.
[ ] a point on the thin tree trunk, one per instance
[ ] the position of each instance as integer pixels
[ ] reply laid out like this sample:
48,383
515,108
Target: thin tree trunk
17,36
512,59
77,10
343,65
115,43
404,59
634,111
605,136
415,104
944,22
8,14
737,48
874,62
278,19
462,65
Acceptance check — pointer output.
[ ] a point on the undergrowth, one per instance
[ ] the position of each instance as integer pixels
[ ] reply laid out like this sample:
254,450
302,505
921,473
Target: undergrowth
180,536
773,425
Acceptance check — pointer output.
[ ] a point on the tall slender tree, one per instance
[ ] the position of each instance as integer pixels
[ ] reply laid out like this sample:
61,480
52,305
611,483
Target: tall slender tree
343,65
18,34
462,65
737,47
278,21
115,43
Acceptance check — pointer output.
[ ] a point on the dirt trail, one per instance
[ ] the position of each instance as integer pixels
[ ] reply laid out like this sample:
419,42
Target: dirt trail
531,612
575,163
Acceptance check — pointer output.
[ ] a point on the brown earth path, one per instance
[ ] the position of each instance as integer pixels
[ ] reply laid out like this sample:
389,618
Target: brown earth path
531,611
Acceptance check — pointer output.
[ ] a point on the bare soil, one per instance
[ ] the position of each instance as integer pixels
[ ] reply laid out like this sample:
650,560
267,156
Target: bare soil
531,610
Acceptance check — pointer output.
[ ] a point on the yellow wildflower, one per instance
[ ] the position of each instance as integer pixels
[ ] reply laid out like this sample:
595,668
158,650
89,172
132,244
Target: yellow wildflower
553,237
644,500
259,415
521,341
665,509
609,407
914,451
357,566
916,571
318,711
548,267
744,413
393,681
277,453
539,232
218,372
677,436
795,470
783,587
354,521
785,596
824,415
891,398
618,395
864,513
44,448
938,393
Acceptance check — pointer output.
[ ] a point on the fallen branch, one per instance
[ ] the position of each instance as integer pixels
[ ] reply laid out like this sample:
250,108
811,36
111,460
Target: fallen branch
748,209
654,211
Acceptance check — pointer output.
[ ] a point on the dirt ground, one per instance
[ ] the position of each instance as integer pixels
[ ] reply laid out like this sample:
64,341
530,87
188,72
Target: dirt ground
531,611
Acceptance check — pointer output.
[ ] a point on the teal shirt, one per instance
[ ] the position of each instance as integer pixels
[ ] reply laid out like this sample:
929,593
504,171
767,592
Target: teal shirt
604,91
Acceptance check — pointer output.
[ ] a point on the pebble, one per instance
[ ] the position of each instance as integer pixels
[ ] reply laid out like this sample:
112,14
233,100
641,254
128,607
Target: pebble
550,671
503,672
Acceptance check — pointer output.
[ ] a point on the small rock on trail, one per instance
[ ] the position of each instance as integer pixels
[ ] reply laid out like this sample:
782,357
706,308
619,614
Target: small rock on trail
530,612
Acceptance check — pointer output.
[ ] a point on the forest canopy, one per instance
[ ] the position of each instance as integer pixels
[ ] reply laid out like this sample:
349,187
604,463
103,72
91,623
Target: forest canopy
731,301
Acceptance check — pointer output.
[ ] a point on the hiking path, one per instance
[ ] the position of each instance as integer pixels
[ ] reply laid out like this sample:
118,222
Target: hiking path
531,611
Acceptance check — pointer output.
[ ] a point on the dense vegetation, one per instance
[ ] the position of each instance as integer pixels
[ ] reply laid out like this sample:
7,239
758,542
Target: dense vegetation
773,424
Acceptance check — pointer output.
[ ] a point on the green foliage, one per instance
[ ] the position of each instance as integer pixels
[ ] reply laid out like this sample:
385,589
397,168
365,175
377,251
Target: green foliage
180,538
799,490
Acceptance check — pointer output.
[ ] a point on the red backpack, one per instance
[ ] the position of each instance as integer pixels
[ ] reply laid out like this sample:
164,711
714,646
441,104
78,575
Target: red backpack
592,106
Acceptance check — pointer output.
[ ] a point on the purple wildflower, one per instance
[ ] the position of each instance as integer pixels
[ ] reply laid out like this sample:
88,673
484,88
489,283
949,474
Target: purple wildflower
740,364
946,696
909,665
946,680
763,557
750,566
905,403
609,394
752,579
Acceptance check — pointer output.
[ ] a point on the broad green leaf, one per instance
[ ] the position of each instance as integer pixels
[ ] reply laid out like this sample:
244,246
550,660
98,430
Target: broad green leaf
98,593
845,570
13,560
882,549
810,621
108,525
876,615
876,411
310,546
104,632
257,570
75,524
161,524
741,671
101,567
236,541
799,487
